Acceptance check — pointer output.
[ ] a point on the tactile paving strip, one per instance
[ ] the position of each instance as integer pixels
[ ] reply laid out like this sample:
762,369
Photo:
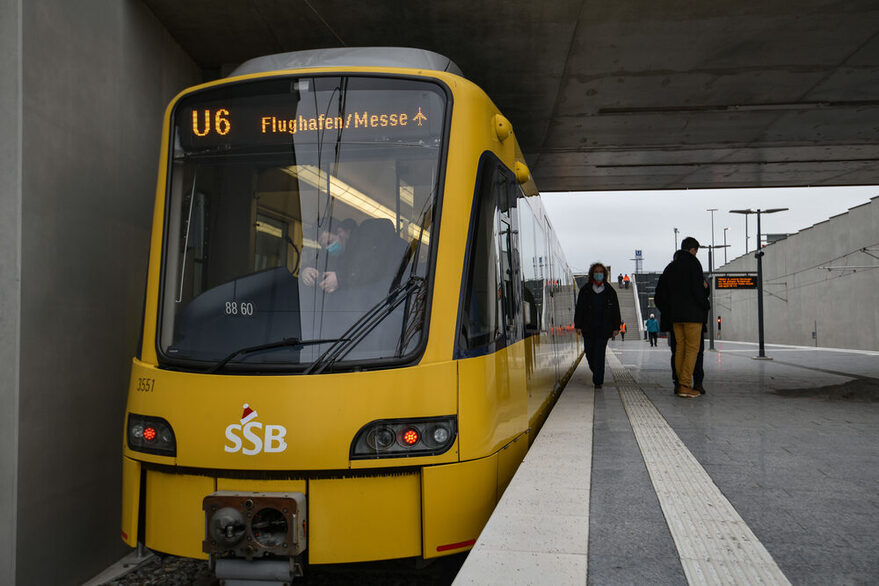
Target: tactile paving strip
714,543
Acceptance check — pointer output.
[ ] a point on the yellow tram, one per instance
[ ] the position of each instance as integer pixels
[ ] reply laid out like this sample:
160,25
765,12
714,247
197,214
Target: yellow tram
357,315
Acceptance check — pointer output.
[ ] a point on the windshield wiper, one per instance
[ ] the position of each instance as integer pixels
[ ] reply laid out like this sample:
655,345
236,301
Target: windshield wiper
292,342
363,326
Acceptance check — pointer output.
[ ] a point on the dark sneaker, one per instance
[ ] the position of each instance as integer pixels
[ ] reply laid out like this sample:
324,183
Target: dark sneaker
676,389
598,387
699,388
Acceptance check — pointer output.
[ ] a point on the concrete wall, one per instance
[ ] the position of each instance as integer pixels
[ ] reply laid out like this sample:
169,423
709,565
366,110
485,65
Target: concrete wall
10,274
798,293
95,78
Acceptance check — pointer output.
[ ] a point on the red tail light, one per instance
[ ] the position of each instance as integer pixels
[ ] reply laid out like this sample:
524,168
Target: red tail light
410,436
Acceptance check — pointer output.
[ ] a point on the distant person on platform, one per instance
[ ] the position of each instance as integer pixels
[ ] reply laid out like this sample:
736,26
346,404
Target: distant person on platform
620,280
623,332
680,295
653,330
597,317
626,280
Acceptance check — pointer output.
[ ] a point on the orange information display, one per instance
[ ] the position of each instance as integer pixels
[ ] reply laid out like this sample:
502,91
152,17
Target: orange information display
735,282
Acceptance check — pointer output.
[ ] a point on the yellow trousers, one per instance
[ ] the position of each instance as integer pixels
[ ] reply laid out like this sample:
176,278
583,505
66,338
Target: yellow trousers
687,335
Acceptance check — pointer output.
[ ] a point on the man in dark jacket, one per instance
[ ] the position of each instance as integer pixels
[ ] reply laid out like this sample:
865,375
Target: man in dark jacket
597,317
698,370
680,296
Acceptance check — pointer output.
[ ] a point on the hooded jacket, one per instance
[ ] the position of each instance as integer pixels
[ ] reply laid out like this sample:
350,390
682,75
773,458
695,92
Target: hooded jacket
681,295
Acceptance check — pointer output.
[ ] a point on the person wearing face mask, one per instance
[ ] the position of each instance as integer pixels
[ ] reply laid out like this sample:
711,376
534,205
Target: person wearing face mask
362,259
597,318
334,243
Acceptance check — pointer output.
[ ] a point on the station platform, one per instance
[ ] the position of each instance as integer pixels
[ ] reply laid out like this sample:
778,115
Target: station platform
771,477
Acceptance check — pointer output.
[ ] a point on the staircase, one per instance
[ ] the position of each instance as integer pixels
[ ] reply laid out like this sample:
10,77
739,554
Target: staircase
628,312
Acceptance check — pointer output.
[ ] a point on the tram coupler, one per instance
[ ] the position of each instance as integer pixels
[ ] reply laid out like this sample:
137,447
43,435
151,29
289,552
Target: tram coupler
255,538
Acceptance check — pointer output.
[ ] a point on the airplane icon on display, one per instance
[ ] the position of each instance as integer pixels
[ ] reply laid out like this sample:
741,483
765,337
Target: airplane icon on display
420,117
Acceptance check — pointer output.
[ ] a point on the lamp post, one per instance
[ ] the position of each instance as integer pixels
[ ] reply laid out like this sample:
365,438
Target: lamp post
724,245
711,289
712,210
676,238
759,256
711,292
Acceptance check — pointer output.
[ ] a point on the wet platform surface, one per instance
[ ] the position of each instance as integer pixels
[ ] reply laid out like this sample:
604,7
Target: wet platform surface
772,475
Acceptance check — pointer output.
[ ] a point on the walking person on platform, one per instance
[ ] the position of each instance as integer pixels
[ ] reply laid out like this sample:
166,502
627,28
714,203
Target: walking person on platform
653,330
623,331
620,280
680,295
626,280
597,317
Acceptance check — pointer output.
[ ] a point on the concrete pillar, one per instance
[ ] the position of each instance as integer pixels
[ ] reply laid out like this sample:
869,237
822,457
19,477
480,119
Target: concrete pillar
10,276
83,90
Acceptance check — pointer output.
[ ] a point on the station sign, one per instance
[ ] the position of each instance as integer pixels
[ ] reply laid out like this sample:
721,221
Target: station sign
735,282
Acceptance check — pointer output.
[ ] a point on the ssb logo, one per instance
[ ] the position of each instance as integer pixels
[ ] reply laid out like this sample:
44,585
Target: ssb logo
251,430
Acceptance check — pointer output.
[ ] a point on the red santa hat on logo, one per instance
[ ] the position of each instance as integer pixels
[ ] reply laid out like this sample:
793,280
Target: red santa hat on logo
247,415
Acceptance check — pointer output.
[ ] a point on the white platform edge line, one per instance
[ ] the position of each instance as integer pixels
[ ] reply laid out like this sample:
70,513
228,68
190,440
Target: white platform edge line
714,543
804,348
489,557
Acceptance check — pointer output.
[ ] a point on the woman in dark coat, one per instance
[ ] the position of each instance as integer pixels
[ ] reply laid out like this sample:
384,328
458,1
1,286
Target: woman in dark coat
597,318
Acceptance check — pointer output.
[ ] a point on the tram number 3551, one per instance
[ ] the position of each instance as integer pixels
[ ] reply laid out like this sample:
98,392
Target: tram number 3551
239,308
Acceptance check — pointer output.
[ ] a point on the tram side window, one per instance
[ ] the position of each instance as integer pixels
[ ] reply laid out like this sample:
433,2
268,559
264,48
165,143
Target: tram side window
489,305
531,239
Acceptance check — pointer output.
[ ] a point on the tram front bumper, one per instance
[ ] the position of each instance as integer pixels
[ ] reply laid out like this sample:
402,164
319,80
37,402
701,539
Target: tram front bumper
434,511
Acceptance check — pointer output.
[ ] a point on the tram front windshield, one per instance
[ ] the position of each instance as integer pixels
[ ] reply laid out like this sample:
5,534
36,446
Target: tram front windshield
299,222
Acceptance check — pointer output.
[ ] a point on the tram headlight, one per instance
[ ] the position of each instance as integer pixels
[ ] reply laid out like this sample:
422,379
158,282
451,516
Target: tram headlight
380,438
152,435
441,434
404,438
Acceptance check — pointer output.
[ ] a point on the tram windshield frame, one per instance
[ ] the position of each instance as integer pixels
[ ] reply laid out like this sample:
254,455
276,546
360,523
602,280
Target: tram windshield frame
301,215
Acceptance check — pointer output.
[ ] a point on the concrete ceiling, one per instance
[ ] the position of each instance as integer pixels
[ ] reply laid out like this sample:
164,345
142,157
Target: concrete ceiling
646,94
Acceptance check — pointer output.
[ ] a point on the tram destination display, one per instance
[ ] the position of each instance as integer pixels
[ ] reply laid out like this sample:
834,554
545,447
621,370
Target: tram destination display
313,111
735,282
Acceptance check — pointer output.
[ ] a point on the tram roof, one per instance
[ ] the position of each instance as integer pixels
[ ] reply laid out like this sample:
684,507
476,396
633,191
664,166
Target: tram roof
350,57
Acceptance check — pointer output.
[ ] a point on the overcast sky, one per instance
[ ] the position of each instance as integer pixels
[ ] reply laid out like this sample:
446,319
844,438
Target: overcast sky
608,226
